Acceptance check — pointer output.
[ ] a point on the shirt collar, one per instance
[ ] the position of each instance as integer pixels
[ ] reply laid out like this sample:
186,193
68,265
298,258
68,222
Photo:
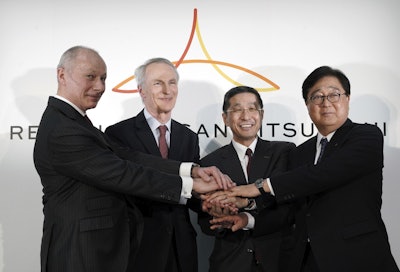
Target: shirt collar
328,137
153,122
70,103
241,149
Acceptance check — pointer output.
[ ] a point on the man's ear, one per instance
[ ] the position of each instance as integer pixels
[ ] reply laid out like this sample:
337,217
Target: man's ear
140,91
224,117
61,75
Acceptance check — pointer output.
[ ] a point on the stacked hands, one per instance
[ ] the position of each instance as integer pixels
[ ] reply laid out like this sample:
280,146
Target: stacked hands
208,179
221,198
223,206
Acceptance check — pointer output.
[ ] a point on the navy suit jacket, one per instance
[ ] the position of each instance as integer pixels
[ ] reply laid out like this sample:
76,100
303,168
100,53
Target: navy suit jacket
230,250
87,226
337,203
165,226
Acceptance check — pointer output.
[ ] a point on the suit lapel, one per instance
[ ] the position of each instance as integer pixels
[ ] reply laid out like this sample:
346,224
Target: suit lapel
230,158
261,160
145,135
76,117
337,138
176,139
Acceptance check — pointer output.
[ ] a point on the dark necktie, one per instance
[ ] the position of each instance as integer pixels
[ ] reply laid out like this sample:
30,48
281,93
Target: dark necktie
249,154
323,143
162,142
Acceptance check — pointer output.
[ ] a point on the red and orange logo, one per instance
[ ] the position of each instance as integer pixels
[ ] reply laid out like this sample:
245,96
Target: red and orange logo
215,63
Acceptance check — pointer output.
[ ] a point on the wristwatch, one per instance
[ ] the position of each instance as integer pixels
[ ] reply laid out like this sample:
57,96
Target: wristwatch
259,185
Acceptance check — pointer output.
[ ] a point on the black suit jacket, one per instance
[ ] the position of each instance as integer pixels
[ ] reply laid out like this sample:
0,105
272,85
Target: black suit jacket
338,202
231,249
166,226
87,226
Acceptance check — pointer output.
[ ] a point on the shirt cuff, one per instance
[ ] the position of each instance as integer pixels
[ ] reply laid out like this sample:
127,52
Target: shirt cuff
185,170
270,187
251,221
187,186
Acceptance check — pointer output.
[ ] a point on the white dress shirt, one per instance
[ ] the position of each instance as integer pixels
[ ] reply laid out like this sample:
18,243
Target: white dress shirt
241,152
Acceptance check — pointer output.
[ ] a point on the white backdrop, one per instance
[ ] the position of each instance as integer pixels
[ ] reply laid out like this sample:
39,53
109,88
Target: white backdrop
281,40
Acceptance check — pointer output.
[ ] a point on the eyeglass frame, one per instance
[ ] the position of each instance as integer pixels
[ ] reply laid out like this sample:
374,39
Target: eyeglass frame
314,98
240,111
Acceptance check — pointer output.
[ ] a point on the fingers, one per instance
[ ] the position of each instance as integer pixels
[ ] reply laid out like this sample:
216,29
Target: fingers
213,173
226,225
227,183
199,172
214,196
233,222
201,187
222,222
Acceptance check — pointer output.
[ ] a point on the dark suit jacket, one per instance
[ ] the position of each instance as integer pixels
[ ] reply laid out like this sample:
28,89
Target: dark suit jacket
87,226
166,226
338,202
231,249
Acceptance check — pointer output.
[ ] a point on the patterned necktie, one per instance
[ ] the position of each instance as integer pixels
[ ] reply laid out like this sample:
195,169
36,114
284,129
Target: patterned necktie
249,154
162,142
323,143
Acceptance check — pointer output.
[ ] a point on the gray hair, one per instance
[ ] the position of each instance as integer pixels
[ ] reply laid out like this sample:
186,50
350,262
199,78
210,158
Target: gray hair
140,72
72,53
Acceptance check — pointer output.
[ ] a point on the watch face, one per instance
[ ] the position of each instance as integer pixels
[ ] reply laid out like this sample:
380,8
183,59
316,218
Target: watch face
259,183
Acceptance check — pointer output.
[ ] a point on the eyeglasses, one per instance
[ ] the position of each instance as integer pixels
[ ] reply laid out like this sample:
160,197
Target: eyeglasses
239,111
319,99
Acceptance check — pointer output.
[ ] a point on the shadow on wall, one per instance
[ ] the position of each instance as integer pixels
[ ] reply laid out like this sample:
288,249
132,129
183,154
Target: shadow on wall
20,194
381,106
32,91
372,109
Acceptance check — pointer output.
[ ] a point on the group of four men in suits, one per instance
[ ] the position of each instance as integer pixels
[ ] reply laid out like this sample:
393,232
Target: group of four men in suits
104,212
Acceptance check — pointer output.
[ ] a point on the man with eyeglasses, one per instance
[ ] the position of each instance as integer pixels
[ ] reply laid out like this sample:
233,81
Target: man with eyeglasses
336,189
246,159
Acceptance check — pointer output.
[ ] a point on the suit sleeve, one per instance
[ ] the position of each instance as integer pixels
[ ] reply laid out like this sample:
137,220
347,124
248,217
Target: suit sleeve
85,157
272,217
281,151
358,154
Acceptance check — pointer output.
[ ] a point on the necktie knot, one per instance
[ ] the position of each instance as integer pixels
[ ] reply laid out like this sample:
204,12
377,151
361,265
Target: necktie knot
249,153
162,143
163,129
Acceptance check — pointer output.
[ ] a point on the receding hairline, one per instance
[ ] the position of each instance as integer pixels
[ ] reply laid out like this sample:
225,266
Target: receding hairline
72,53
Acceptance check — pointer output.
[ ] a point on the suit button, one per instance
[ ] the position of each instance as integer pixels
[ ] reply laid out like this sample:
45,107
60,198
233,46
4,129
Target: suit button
249,250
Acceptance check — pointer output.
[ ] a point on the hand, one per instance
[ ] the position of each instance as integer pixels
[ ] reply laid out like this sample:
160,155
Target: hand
206,173
218,210
233,222
249,190
223,199
201,187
